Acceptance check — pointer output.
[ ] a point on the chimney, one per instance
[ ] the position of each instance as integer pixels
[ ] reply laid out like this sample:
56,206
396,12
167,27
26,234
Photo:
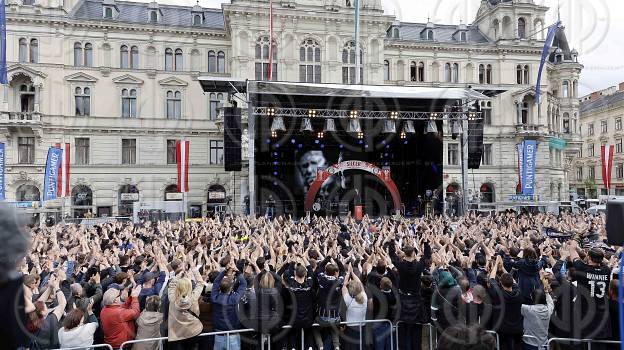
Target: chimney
594,96
621,87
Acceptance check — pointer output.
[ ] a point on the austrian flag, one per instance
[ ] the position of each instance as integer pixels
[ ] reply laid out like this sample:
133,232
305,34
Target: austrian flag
182,160
63,173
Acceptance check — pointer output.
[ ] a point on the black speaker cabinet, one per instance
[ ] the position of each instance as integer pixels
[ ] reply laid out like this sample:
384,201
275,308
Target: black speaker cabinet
232,139
615,222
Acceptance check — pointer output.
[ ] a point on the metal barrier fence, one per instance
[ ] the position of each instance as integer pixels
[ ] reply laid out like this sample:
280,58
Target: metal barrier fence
160,339
428,325
106,346
574,340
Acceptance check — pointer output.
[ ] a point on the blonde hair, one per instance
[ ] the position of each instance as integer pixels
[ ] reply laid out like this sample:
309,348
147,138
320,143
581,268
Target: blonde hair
267,281
356,291
184,287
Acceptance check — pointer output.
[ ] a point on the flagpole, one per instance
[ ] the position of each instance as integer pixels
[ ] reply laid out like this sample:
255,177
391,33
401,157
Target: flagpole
358,63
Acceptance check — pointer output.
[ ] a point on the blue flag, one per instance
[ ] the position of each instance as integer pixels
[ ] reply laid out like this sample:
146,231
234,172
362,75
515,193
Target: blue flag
550,37
528,167
2,156
3,59
50,182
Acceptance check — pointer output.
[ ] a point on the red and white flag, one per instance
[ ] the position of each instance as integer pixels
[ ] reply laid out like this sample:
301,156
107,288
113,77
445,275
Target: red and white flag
607,164
63,177
182,159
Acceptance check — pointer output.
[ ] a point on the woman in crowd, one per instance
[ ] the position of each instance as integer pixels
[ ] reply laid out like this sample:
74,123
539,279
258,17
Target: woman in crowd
43,322
537,317
148,324
356,303
184,322
78,328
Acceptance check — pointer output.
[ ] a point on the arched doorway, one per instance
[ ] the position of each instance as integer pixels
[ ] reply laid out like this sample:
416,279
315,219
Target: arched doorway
452,199
217,199
172,194
82,201
487,193
128,194
27,193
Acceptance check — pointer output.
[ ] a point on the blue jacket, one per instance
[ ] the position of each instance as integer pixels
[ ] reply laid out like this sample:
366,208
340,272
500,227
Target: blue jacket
155,290
224,306
528,274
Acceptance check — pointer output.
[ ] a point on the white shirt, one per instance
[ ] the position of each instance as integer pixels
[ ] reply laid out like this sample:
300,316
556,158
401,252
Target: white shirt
355,311
77,337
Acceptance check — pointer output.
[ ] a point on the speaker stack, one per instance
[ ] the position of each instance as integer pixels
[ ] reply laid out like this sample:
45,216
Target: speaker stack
615,222
232,139
475,141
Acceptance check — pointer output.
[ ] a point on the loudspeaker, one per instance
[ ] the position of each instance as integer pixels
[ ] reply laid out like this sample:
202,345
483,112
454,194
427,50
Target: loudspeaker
232,138
615,222
475,141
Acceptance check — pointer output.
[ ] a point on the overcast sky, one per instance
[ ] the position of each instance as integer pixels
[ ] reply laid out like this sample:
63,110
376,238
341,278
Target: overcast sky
594,27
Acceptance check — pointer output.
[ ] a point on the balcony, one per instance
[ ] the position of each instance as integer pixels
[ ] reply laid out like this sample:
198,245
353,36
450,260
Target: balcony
529,130
20,118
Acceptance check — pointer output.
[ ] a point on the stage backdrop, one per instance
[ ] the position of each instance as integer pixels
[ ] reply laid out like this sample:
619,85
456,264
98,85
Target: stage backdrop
287,166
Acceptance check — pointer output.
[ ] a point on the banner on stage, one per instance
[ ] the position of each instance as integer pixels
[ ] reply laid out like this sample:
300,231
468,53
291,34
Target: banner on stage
2,156
50,182
528,167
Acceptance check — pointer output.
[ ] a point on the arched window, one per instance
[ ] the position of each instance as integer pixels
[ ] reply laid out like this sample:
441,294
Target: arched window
108,12
421,72
566,89
447,72
566,122
78,54
197,20
82,99
524,113
463,37
348,64
310,62
488,74
521,28
481,74
522,74
386,70
525,72
27,193
430,34
178,60
88,55
134,57
172,189
221,62
34,51
129,103
123,57
168,59
174,104
262,59
455,73
487,193
212,62
575,88
214,104
153,16
23,50
519,74
395,33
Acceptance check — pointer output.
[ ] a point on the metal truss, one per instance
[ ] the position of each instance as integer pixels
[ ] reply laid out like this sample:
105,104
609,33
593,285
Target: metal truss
338,114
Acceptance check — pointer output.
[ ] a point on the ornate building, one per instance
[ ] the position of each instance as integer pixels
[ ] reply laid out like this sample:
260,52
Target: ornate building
117,80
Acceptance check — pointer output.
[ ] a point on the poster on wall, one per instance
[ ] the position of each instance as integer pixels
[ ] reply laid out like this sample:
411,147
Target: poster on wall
528,168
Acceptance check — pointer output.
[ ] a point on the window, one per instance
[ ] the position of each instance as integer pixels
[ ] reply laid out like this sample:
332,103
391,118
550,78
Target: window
485,74
453,154
522,74
171,152
566,89
82,100
521,28
221,62
108,12
618,146
34,51
486,112
216,152
386,70
124,58
447,72
128,151
310,62
524,113
28,2
604,127
27,98
566,122
129,103
197,19
212,62
83,57
168,59
429,35
590,150
174,104
579,174
82,151
591,172
619,171
153,17
417,71
455,73
26,150
178,60
262,59
134,57
23,50
590,129
487,155
395,33
349,64
618,124
216,100
463,37
78,58
88,55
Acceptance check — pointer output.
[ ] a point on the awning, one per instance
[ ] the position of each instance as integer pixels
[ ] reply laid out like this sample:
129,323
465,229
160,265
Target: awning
223,84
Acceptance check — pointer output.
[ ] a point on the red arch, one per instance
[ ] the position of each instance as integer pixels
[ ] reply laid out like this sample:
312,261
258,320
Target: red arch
323,175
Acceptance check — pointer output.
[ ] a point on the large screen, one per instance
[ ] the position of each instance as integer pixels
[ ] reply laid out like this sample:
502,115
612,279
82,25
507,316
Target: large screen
288,163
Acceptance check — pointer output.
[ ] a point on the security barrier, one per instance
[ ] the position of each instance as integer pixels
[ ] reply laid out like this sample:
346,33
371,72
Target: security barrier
432,334
160,339
574,340
105,346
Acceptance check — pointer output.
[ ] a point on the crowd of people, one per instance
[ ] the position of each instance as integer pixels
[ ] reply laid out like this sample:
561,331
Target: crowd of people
314,283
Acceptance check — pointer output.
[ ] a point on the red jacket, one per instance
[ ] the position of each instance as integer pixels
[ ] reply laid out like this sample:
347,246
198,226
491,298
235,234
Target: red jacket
118,322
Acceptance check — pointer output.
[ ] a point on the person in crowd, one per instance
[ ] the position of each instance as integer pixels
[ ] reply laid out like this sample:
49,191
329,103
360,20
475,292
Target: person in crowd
118,315
528,268
506,294
300,293
148,324
184,323
536,317
330,279
78,328
224,304
43,321
356,302
384,303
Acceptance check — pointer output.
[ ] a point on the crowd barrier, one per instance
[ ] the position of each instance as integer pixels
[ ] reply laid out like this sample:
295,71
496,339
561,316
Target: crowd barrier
105,346
160,339
432,334
589,342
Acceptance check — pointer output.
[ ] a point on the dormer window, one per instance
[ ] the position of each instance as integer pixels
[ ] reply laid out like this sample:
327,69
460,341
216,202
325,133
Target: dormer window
29,2
153,16
463,37
429,34
395,33
108,12
197,19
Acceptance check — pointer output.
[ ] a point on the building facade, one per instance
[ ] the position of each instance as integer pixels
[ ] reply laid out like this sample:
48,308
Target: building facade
602,113
118,82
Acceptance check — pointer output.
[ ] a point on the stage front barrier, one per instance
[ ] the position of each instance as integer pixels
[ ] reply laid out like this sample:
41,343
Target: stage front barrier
99,346
589,342
497,338
160,339
432,333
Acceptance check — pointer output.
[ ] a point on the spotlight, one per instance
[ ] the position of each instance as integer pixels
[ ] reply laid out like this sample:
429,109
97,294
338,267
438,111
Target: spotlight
432,128
330,125
353,114
354,126
403,135
394,115
306,125
278,124
274,134
389,127
320,135
360,135
271,112
311,113
408,127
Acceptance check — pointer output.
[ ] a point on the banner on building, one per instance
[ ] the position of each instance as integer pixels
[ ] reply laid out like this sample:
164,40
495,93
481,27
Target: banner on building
3,53
2,156
519,149
50,182
63,177
182,160
606,154
550,37
529,151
